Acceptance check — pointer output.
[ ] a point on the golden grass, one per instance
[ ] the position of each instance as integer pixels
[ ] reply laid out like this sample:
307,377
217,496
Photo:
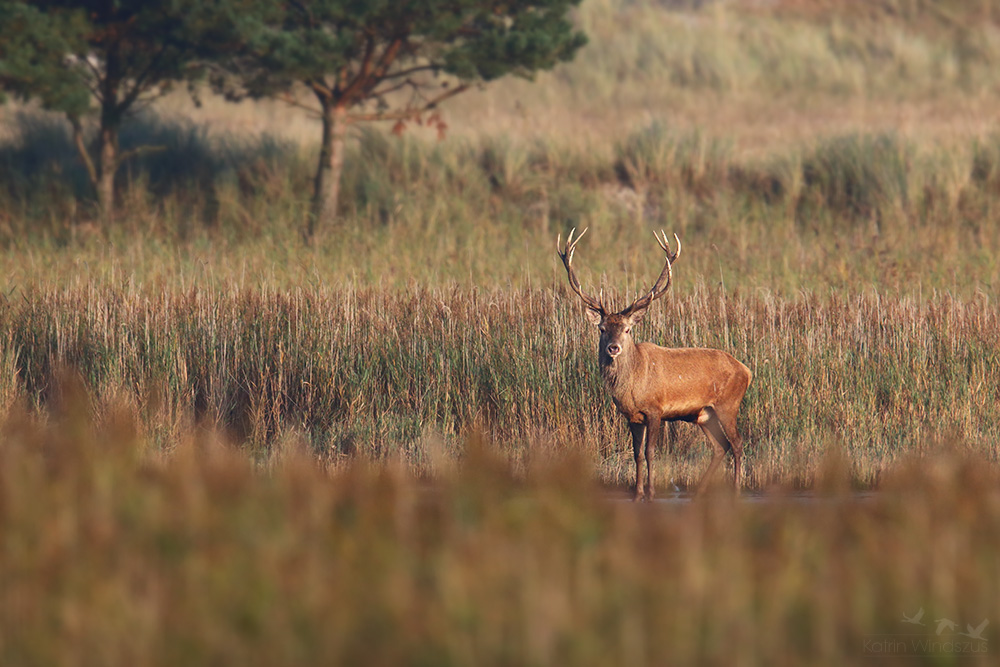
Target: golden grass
271,453
381,374
113,554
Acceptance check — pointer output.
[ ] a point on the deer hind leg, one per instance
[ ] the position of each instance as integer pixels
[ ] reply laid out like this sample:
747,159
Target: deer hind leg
638,437
654,437
736,443
714,430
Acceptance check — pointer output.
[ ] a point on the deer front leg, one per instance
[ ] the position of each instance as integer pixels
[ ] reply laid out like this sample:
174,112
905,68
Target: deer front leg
654,437
638,436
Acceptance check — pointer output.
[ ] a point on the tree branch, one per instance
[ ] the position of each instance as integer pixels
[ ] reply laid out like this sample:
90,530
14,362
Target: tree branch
409,112
388,57
81,147
393,88
96,74
366,62
410,70
139,81
292,102
369,77
320,88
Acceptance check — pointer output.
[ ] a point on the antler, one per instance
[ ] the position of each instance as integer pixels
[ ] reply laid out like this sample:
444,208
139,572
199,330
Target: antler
567,257
659,288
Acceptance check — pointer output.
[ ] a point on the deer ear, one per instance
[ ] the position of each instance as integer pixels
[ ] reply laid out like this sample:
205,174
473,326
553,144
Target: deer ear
594,316
637,316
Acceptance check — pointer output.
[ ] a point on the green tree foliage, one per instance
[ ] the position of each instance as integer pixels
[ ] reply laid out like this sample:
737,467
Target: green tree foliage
105,58
31,42
387,60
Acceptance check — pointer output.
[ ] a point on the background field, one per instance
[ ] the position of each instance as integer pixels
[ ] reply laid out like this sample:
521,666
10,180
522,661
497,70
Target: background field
833,170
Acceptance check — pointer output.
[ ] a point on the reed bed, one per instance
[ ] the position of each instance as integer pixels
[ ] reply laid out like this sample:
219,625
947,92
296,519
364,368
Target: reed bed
385,374
112,553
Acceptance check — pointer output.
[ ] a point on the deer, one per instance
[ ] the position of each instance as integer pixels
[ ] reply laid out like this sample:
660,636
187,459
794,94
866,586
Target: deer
651,385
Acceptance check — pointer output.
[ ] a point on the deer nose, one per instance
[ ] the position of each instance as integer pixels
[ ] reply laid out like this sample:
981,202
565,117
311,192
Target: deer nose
614,349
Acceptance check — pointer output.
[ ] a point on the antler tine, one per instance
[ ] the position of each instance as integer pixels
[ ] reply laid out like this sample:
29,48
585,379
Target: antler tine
566,254
666,246
659,287
570,243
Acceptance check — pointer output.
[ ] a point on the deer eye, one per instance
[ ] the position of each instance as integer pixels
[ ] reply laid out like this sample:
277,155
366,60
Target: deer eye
628,329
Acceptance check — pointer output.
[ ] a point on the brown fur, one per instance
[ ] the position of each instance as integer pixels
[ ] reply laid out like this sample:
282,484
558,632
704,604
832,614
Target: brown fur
650,384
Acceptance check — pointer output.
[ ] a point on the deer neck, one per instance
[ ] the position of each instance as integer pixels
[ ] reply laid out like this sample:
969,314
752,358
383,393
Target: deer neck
619,373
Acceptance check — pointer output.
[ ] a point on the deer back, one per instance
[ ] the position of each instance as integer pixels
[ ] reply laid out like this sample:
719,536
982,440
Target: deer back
675,383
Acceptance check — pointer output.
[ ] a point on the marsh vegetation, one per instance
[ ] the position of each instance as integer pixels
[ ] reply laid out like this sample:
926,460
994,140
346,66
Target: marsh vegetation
218,441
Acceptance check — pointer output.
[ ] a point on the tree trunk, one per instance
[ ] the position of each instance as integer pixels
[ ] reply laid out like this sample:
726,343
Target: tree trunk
102,174
107,133
107,167
331,163
81,146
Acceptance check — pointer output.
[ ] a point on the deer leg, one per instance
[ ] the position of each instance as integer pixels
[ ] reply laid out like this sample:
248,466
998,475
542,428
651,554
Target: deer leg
717,439
638,436
737,448
654,437
727,419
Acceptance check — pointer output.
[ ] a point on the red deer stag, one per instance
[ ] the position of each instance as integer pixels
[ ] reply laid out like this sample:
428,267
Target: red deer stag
651,384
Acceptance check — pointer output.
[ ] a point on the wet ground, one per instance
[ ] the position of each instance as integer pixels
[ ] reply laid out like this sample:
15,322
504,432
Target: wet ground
796,497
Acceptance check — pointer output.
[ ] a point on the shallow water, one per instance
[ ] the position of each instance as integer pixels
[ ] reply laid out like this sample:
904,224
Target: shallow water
680,498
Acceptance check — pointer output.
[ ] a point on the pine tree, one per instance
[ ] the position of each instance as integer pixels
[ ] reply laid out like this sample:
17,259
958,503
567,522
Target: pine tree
387,60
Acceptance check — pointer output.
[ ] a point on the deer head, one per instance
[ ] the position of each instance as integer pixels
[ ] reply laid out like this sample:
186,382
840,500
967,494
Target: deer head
616,327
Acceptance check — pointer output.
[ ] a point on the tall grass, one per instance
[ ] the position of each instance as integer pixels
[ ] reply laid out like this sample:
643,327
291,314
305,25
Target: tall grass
433,307
382,373
110,555
851,277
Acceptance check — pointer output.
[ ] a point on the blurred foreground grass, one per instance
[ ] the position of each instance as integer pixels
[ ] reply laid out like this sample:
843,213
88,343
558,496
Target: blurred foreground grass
114,553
